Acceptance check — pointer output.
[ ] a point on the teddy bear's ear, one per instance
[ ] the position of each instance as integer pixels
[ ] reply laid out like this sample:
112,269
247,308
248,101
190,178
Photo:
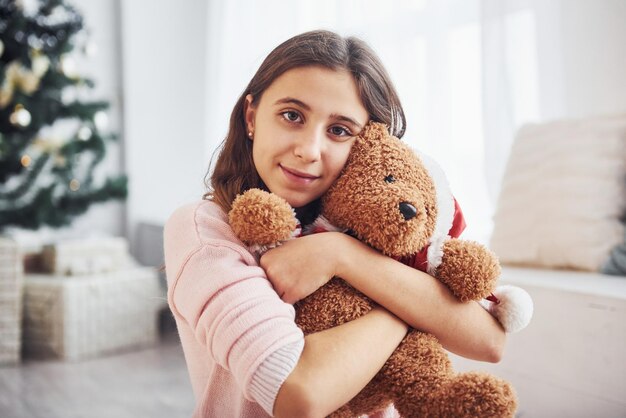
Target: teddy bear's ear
374,131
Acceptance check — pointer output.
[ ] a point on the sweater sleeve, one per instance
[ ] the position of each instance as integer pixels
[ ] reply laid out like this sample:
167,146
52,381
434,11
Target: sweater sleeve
236,314
271,374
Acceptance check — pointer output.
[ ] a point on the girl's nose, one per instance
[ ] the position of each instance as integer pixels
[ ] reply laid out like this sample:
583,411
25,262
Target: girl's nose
309,146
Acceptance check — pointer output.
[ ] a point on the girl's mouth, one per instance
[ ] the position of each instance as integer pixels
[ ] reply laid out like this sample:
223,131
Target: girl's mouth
298,176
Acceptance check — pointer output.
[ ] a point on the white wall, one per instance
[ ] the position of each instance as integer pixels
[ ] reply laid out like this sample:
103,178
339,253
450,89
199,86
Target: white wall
163,49
594,56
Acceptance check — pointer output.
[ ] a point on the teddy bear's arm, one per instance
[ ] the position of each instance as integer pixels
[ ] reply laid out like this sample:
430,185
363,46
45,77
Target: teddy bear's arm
262,220
468,268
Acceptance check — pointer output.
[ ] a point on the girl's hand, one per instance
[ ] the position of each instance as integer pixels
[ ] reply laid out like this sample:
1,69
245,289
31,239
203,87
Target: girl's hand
301,266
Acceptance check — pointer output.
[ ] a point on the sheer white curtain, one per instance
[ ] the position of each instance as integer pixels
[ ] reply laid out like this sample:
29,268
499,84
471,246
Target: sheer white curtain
469,72
521,41
545,60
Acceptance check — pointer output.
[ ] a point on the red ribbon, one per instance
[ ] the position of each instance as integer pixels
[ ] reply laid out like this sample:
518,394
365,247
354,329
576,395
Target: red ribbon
493,298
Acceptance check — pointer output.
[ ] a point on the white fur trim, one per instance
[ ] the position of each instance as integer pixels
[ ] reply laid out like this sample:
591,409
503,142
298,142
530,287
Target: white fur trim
296,232
445,200
514,310
259,249
435,253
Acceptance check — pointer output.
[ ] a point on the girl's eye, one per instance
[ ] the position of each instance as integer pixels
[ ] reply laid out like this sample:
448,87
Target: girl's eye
340,131
291,116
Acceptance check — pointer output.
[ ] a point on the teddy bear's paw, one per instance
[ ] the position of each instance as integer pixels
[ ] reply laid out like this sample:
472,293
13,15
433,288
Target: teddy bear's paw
262,219
512,306
475,394
468,268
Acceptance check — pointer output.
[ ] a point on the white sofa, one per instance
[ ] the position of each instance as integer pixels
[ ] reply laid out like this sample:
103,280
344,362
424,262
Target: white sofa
571,360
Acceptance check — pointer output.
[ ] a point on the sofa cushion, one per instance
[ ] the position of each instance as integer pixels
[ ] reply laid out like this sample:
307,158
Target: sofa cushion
563,194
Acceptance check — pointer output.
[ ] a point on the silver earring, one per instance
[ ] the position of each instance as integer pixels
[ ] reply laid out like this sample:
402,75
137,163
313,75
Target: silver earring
250,134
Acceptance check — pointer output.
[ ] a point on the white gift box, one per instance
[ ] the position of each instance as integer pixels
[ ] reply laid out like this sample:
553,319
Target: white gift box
83,316
10,301
86,256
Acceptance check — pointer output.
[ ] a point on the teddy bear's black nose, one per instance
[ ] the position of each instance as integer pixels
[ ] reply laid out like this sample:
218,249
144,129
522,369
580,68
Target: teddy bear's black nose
408,211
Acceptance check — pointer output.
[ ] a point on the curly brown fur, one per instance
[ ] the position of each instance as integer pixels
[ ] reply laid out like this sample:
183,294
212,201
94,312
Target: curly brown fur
333,304
362,200
469,269
418,378
475,394
259,217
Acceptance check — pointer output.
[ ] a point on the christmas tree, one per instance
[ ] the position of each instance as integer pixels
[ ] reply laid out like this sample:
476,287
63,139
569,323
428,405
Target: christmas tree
51,139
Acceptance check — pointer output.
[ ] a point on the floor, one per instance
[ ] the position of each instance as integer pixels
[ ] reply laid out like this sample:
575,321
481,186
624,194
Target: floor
149,382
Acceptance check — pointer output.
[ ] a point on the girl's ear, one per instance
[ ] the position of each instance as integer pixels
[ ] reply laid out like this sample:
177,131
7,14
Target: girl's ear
249,110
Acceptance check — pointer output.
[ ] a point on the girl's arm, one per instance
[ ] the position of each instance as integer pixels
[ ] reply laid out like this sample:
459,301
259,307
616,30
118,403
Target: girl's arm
299,267
337,363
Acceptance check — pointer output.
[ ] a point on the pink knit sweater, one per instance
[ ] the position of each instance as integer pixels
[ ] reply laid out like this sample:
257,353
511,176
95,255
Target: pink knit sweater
239,338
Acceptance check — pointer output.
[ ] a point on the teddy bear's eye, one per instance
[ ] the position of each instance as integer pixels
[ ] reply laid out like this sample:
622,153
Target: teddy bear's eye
389,179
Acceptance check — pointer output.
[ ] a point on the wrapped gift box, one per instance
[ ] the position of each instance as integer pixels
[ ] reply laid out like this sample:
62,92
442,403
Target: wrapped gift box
86,256
10,301
74,317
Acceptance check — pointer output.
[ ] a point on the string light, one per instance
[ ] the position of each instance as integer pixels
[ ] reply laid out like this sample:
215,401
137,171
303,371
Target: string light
68,66
69,95
20,116
101,120
25,160
84,133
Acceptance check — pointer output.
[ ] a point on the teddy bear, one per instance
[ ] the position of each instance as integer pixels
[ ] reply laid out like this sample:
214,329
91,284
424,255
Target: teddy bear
399,203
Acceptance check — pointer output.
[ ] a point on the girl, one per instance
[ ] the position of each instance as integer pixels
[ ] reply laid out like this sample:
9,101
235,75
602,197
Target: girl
290,133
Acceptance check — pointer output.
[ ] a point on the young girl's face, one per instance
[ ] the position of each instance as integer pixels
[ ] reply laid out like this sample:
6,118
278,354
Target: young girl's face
302,130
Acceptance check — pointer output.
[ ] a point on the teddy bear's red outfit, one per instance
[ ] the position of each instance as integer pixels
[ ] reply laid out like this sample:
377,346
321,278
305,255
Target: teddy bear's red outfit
421,260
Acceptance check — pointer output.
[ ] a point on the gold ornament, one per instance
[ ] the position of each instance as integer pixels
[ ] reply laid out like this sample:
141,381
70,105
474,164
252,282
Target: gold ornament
47,144
28,81
17,76
74,185
6,94
40,64
60,161
11,76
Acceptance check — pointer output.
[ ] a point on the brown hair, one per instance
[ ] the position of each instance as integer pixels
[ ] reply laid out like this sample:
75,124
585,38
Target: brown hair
234,170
